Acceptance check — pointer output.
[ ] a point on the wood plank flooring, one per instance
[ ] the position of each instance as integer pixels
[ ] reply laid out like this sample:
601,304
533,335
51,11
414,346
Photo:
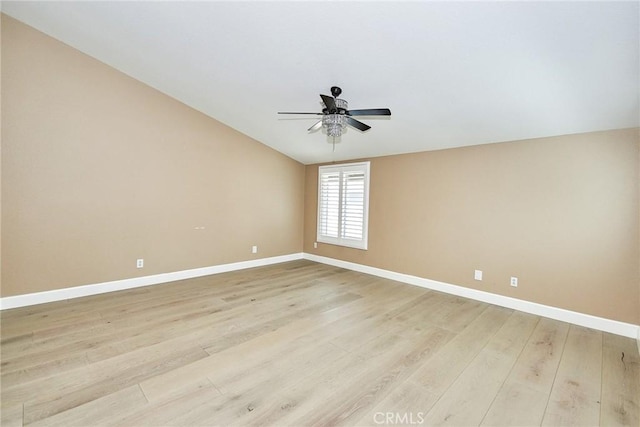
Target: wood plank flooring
300,344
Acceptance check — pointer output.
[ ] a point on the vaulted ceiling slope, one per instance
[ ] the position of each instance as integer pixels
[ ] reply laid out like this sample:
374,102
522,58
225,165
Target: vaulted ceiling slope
452,73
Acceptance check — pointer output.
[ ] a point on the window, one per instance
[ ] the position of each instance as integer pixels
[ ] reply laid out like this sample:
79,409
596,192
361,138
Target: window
343,204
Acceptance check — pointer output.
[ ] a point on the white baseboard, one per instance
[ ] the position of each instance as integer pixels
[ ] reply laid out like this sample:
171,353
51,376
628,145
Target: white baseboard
136,282
587,320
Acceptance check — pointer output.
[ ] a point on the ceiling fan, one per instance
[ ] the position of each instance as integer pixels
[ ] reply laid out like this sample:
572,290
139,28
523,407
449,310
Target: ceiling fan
336,115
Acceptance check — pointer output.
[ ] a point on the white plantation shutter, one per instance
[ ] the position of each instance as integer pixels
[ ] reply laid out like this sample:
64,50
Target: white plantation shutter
343,193
329,204
352,218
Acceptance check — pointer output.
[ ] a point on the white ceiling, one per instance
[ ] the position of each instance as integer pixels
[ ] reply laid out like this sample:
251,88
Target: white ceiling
452,73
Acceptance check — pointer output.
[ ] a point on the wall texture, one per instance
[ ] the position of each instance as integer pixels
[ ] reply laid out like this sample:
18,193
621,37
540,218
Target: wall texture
560,213
99,169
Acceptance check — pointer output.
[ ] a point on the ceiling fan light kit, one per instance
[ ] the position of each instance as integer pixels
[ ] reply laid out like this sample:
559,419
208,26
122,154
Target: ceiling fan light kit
336,115
336,122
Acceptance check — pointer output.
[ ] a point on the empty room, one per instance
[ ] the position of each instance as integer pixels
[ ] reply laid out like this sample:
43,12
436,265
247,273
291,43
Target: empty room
320,213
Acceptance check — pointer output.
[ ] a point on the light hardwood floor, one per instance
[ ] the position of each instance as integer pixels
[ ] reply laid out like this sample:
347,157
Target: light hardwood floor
302,343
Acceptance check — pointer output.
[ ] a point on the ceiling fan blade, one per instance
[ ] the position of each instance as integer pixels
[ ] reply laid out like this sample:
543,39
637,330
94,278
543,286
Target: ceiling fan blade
370,112
315,127
288,112
358,125
329,102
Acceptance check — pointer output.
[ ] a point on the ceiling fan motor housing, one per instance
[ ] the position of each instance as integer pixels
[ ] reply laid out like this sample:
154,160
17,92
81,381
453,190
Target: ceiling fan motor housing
341,107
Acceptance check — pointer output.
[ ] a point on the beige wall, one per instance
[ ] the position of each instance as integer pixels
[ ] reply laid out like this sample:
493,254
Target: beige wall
99,170
559,213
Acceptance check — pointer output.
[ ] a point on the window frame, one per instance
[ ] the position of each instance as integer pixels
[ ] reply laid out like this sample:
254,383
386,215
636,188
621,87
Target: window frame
343,169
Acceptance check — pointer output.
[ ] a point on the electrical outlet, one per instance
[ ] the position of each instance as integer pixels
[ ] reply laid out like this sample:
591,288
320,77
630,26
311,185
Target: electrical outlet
315,245
477,274
254,249
139,263
514,282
